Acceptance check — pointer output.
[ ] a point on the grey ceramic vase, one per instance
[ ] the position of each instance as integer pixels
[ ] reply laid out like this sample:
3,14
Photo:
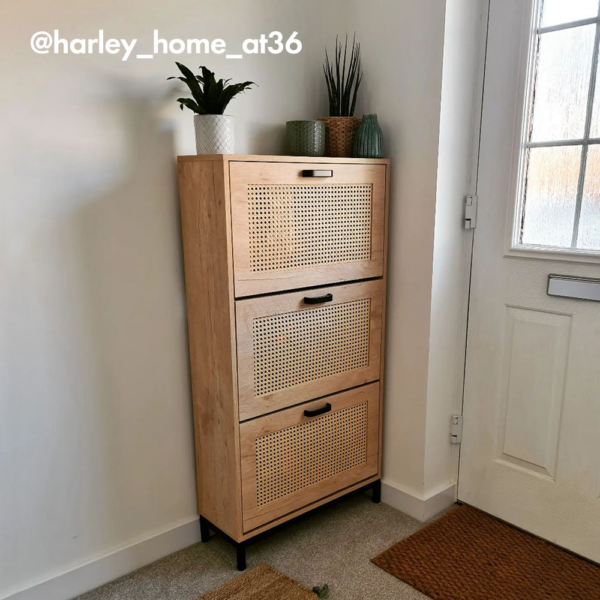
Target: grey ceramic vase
368,140
305,138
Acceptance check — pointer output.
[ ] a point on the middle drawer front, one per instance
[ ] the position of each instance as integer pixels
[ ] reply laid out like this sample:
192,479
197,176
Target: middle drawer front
303,454
291,349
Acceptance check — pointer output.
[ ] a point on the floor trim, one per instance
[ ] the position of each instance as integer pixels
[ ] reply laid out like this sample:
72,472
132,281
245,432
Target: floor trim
418,506
112,564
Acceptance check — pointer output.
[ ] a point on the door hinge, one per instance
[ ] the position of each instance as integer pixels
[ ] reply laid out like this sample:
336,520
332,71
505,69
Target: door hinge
456,428
471,212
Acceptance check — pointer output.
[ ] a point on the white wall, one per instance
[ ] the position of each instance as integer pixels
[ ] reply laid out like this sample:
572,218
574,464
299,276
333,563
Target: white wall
458,146
96,436
403,50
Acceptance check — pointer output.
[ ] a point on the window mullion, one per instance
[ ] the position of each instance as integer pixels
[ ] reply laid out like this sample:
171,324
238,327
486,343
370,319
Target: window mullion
557,143
563,26
586,137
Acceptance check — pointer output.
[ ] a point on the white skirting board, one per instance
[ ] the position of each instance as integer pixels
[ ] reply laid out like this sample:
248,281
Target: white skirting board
420,507
113,564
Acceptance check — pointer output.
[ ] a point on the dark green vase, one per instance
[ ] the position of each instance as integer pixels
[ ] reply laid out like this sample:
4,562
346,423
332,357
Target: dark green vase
368,140
305,138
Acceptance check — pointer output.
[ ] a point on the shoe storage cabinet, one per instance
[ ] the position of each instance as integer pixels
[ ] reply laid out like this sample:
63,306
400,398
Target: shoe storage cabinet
285,263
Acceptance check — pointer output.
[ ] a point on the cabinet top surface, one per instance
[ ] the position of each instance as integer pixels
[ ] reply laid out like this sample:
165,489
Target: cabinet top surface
282,159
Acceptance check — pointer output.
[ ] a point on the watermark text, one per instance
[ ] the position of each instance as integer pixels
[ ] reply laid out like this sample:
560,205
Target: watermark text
275,42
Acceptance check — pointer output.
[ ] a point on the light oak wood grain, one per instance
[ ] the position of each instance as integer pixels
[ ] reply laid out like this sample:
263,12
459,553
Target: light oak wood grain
295,359
267,158
206,231
384,317
255,516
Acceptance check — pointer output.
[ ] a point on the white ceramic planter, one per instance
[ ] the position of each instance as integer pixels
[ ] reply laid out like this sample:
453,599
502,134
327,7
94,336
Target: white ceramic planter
214,134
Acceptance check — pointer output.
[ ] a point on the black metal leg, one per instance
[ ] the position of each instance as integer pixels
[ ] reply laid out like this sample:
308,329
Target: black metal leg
204,531
240,547
377,492
241,556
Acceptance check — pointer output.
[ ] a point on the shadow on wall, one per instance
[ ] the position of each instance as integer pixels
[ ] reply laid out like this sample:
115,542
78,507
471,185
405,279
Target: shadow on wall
132,271
96,383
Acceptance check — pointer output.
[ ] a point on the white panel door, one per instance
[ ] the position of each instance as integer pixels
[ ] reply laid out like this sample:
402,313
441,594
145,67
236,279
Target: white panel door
531,445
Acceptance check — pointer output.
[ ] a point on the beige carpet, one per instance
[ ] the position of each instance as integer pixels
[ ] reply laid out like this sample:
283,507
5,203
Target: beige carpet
334,546
261,583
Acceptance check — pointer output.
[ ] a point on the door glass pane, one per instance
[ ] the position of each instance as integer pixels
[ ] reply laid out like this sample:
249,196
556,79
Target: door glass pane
589,224
555,12
555,136
562,84
550,196
595,132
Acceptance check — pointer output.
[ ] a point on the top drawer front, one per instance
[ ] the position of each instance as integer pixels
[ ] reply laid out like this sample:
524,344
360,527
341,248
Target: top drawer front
290,231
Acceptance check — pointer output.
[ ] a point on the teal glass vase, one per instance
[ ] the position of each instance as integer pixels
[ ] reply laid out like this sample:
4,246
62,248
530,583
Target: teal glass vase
368,141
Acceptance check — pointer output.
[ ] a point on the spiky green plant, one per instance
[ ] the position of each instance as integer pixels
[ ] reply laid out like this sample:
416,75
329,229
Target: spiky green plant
209,96
342,83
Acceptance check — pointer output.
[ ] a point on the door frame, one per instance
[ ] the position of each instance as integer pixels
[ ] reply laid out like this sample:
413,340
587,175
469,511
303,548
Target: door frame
472,190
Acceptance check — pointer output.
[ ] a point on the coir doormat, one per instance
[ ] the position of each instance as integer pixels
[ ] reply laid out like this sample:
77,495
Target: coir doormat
261,583
468,555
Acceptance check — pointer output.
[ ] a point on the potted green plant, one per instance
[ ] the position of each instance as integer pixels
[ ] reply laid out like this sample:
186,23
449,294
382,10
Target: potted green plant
214,129
343,79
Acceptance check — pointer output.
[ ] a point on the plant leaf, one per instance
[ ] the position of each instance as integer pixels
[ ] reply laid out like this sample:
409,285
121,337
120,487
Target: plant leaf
233,90
343,78
206,88
343,83
191,82
209,95
189,103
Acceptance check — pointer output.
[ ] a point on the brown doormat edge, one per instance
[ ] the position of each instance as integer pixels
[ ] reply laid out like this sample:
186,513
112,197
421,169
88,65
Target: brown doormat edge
468,555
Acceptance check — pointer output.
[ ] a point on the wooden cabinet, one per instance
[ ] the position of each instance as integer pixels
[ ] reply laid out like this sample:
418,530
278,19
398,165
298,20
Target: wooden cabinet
285,279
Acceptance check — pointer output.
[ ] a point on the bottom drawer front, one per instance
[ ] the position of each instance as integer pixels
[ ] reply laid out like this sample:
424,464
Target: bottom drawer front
290,460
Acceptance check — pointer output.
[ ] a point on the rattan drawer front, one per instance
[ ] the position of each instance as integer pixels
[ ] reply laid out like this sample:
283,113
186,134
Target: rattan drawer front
290,351
290,231
290,460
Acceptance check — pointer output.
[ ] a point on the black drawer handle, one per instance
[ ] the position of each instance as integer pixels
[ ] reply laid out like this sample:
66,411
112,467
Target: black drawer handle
317,173
318,411
318,299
